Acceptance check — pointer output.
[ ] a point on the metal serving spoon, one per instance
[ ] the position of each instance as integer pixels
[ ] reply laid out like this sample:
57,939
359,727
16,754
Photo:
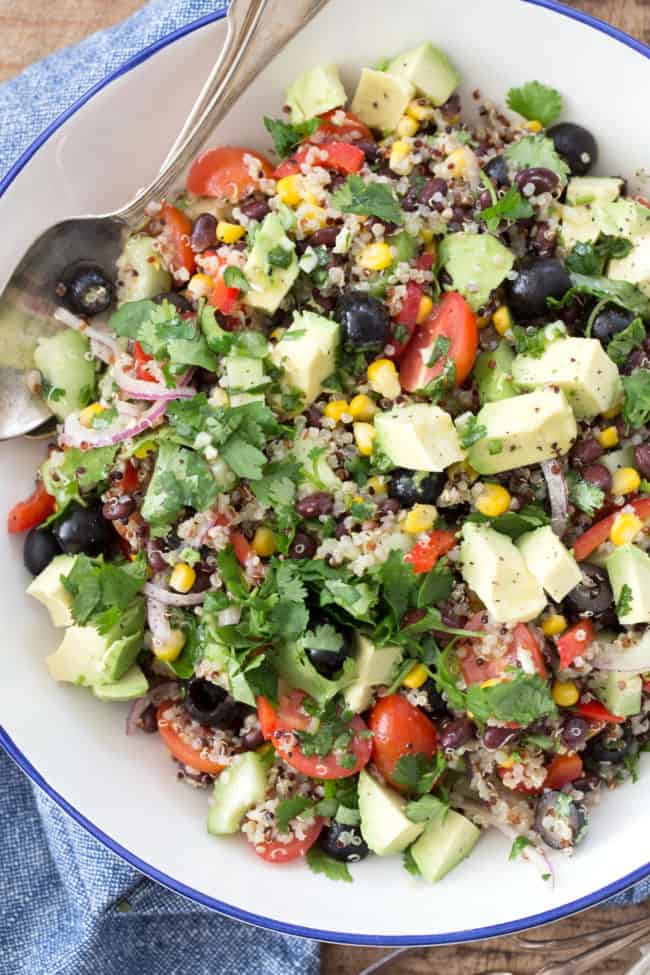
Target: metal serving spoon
257,31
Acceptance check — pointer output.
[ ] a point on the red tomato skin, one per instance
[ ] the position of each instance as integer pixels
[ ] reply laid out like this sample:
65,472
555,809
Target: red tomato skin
141,363
351,130
452,319
562,770
599,533
525,640
424,556
475,670
223,173
241,547
595,711
343,157
278,853
324,767
130,481
288,716
175,239
407,317
267,717
570,646
181,750
399,729
223,298
31,512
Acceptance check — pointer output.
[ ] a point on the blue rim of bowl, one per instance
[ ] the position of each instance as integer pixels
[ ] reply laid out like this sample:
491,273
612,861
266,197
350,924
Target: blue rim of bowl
454,937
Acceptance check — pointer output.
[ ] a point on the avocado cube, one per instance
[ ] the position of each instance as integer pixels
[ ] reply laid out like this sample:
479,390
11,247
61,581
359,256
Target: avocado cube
550,562
133,684
494,568
269,279
314,92
634,268
445,842
619,691
523,430
307,353
87,657
48,589
578,223
375,666
582,190
418,437
624,218
244,373
630,566
493,373
384,824
476,263
429,70
380,100
580,368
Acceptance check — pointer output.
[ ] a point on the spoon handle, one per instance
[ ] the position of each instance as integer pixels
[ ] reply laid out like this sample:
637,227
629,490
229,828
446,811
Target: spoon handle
257,31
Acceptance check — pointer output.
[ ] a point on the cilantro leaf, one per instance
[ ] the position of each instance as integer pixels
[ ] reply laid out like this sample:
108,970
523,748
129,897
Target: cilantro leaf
68,473
522,698
163,334
585,495
636,407
417,772
626,341
319,862
324,637
472,432
591,257
288,809
426,808
234,277
231,572
518,846
398,582
286,137
536,102
181,479
620,293
97,586
409,863
537,150
530,342
624,603
511,206
368,199
515,523
130,317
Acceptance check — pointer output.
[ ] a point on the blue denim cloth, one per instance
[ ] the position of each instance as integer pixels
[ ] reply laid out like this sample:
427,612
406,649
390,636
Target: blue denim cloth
69,906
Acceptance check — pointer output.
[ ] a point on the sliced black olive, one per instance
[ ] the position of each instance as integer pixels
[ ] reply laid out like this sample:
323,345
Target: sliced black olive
610,746
576,145
39,549
411,487
344,843
364,321
211,705
593,595
86,289
497,171
82,530
609,322
327,645
179,301
538,278
560,821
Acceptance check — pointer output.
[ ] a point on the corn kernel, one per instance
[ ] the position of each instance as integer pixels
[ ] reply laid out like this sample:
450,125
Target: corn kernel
399,160
335,409
200,286
565,693
362,408
146,448
383,378
88,414
424,310
533,125
608,437
182,578
462,470
421,518
626,527
494,500
407,127
289,190
264,543
507,762
502,319
427,235
229,233
364,434
375,257
315,216
491,682
416,677
457,163
613,412
625,481
419,110
171,650
376,485
554,625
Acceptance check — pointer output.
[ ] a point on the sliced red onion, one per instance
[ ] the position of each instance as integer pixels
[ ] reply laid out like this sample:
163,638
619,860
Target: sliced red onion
161,631
230,616
141,389
167,598
76,435
629,660
154,696
110,349
558,494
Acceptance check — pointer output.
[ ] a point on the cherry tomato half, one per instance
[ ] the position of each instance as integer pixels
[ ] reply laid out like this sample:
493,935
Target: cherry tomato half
452,319
31,512
175,240
476,669
426,553
599,533
399,729
407,318
142,361
288,716
224,173
171,733
575,642
351,128
326,766
343,157
276,852
562,770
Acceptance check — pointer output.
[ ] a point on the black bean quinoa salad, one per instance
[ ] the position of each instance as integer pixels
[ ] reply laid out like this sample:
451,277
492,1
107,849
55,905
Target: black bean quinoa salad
350,493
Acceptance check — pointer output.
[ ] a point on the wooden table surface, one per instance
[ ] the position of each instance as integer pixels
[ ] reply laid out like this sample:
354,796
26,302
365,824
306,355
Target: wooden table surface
30,29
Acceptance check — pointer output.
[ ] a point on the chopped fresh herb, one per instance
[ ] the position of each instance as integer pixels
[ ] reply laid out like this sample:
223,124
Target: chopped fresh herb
620,293
417,772
97,586
163,334
585,495
537,151
511,206
319,862
288,809
631,763
280,257
409,863
519,846
626,341
644,486
636,407
439,351
67,474
495,447
529,341
536,102
426,808
521,697
234,277
368,199
440,384
591,257
472,432
287,137
515,523
181,479
624,602
103,420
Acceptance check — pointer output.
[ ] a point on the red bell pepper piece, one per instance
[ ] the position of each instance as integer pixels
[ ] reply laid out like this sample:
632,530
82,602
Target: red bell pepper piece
575,642
344,157
31,512
599,532
426,553
595,711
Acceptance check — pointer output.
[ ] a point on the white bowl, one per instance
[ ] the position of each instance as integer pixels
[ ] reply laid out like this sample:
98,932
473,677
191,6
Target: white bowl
123,790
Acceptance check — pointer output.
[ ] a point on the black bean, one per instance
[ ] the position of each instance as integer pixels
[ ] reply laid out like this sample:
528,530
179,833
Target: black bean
494,738
543,180
253,740
314,505
389,506
574,732
369,149
156,560
542,240
432,188
436,706
255,209
609,322
204,232
39,549
304,546
179,301
114,508
485,199
576,145
599,475
455,733
325,237
586,451
642,458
